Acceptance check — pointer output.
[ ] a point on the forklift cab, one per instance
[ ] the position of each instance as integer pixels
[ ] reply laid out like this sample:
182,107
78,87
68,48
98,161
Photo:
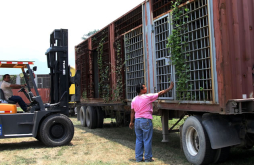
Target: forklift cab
8,106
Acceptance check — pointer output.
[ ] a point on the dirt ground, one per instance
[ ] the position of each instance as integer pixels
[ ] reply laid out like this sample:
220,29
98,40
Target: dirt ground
110,145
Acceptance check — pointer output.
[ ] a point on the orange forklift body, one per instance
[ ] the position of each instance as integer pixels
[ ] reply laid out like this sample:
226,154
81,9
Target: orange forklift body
8,108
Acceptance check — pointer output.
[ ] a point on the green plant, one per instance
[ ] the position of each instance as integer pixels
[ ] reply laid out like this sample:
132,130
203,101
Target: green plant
104,88
105,72
84,94
13,79
85,36
119,67
178,48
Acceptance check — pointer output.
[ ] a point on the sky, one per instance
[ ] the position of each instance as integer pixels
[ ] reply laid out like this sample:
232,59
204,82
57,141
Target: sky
25,26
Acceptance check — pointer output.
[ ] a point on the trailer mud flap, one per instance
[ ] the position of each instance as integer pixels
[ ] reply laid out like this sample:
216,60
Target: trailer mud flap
221,132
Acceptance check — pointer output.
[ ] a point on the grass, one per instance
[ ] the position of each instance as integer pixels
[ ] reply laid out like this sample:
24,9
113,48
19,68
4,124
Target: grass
109,145
19,109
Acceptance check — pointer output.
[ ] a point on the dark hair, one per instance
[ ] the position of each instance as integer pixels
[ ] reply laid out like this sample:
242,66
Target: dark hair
5,76
139,87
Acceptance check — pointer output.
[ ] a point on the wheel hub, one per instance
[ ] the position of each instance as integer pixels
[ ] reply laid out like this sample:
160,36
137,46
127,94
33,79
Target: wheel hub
57,131
192,141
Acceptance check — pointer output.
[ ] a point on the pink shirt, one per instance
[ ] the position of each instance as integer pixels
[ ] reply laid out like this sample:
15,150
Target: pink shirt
143,105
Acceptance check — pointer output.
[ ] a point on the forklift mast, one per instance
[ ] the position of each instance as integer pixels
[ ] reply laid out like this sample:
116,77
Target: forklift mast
57,59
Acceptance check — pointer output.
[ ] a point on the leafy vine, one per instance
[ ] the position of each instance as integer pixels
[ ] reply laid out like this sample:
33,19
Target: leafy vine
118,71
178,48
104,88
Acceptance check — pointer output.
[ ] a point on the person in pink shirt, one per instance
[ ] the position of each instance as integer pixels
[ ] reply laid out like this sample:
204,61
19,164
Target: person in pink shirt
142,109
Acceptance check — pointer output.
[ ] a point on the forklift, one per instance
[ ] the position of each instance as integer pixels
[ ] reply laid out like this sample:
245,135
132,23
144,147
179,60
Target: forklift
46,122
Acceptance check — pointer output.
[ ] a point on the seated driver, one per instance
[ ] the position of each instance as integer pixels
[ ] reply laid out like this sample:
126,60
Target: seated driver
7,86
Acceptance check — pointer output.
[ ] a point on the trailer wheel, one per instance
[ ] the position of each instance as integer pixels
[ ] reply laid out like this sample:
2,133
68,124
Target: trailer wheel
119,118
91,117
195,141
221,155
56,130
77,109
83,116
127,119
249,141
100,117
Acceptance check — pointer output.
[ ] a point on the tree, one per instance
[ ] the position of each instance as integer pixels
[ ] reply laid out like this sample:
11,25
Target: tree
85,36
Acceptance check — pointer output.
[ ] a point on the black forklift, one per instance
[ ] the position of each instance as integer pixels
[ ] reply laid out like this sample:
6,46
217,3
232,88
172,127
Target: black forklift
46,122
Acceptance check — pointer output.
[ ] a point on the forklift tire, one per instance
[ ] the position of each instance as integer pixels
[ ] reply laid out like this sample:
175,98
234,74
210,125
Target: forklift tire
100,117
83,116
56,130
91,117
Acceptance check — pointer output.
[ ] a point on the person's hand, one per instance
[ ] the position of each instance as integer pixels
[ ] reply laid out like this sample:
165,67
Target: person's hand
131,125
171,85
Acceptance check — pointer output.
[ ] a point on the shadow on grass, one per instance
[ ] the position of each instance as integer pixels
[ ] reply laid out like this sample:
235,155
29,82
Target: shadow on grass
169,153
21,145
24,145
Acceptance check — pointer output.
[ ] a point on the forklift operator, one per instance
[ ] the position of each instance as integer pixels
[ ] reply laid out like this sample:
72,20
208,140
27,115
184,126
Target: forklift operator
6,87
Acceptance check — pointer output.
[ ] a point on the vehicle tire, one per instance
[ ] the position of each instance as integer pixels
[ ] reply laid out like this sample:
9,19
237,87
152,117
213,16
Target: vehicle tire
83,116
71,112
100,117
127,120
56,130
77,109
119,118
180,132
221,155
91,117
249,141
195,141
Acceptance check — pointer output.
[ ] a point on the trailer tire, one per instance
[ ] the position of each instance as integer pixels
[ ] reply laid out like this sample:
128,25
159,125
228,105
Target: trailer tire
195,141
249,141
78,112
56,130
221,155
100,117
91,117
83,116
127,119
119,118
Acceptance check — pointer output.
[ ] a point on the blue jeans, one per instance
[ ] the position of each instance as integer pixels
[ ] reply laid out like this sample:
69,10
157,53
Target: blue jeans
144,136
19,100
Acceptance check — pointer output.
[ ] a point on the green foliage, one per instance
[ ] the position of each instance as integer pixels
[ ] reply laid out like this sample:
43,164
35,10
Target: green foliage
85,36
104,88
13,79
178,48
118,71
104,71
84,94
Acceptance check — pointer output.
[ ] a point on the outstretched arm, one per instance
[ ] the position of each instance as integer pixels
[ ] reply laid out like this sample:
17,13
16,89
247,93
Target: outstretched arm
166,90
16,86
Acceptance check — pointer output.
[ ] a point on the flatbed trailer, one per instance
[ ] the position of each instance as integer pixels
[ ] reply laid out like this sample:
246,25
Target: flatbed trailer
133,49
